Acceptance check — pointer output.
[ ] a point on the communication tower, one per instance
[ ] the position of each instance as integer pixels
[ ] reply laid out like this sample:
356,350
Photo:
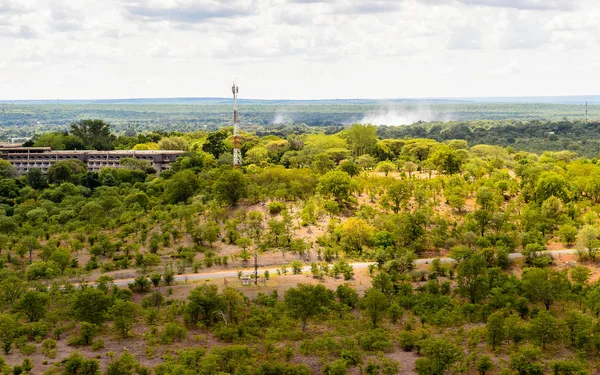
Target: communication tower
237,154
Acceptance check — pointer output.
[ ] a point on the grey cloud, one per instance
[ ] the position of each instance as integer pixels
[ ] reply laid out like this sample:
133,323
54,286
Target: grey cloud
464,38
64,19
187,13
527,4
27,32
564,5
14,7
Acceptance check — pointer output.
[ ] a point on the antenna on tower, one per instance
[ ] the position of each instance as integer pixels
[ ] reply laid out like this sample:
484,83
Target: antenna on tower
237,154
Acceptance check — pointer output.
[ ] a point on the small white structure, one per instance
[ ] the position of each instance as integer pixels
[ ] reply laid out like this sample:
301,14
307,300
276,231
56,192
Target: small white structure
245,281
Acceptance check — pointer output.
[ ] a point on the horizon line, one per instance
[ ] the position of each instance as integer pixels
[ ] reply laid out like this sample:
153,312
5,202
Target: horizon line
597,96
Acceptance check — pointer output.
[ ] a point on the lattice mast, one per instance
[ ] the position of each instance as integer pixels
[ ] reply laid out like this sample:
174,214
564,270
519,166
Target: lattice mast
237,153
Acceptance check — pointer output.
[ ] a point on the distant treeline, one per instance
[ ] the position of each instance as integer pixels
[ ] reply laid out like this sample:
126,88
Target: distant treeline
533,136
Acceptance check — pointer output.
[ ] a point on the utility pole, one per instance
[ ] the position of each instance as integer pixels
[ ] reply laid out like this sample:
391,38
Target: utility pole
237,153
255,269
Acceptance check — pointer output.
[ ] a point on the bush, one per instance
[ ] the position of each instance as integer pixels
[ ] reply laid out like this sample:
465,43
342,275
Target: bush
278,368
408,340
351,357
97,344
276,207
376,340
335,368
171,332
49,348
28,349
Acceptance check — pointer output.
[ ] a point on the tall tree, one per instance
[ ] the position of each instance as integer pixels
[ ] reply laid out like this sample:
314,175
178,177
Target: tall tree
215,143
361,139
305,301
471,277
231,187
495,330
8,331
375,303
440,356
95,134
204,303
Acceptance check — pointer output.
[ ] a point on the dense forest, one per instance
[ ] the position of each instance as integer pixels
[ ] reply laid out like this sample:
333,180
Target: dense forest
379,251
528,127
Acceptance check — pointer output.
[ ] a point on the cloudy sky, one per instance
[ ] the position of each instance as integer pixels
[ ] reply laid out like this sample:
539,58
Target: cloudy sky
84,49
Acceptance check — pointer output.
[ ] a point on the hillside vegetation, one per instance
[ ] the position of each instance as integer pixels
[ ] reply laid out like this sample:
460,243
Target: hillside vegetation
96,269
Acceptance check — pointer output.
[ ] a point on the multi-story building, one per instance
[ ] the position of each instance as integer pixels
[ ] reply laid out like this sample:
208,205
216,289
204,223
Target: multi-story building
25,158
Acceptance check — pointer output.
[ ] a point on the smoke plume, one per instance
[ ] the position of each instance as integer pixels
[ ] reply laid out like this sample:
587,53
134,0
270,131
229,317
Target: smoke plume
394,116
282,118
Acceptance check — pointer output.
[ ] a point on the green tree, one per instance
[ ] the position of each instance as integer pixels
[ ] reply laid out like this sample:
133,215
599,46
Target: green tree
447,160
347,295
361,139
588,242
305,301
204,302
181,186
355,234
124,315
525,361
375,303
471,277
12,288
386,167
484,364
36,179
568,368
31,244
95,134
173,143
87,332
90,305
397,195
440,356
66,171
495,330
231,187
349,167
546,286
215,144
337,184
33,304
76,364
568,234
6,169
551,184
8,331
545,329
62,258
126,364
580,274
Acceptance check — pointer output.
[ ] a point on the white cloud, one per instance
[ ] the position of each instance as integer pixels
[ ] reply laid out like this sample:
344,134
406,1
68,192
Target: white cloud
297,48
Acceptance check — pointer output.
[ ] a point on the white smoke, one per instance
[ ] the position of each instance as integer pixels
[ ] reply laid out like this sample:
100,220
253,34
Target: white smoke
282,118
393,116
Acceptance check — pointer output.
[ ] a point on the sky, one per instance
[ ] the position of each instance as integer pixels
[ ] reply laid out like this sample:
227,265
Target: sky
298,49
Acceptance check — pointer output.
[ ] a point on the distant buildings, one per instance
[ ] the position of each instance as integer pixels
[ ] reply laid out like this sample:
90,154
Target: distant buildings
25,158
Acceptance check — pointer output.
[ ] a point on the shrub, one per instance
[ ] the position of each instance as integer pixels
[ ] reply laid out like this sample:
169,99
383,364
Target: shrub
407,340
49,348
171,332
97,344
28,349
335,368
376,340
276,207
351,357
